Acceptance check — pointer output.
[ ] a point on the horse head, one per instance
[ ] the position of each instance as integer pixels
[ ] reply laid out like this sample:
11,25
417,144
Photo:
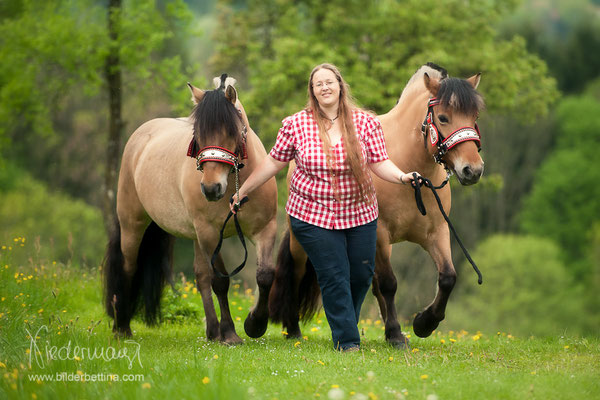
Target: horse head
450,126
219,133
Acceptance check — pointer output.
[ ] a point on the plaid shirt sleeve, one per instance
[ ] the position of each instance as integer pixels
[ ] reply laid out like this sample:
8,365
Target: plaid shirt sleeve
374,141
284,147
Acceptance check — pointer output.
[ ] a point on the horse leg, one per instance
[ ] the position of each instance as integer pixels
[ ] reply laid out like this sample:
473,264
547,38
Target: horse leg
428,320
257,320
379,297
126,293
203,284
220,286
387,284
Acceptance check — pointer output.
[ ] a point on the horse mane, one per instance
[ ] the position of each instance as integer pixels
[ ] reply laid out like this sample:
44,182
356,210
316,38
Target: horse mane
461,96
216,114
456,93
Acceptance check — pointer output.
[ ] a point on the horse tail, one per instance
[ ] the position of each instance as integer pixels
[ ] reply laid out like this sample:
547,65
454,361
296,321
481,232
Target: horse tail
155,259
123,296
285,304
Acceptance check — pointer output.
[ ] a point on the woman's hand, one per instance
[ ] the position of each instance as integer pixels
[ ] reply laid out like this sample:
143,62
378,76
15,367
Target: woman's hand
409,177
235,203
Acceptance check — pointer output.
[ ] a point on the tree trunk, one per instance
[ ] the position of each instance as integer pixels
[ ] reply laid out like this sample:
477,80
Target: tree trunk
113,81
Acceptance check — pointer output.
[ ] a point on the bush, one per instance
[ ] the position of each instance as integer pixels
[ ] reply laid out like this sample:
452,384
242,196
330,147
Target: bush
526,290
58,227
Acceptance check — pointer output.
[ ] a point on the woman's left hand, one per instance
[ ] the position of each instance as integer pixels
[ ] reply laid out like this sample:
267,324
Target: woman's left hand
409,177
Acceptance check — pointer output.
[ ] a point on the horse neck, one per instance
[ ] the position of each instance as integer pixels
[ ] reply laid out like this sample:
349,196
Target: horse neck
402,129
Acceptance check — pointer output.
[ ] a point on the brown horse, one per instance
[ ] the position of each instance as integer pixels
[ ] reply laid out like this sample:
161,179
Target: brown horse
161,194
431,130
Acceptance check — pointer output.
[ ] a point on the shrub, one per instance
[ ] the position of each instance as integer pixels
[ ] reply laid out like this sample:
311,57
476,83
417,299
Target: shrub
526,290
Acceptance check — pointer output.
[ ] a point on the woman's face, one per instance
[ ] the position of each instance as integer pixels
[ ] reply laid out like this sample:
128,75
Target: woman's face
326,88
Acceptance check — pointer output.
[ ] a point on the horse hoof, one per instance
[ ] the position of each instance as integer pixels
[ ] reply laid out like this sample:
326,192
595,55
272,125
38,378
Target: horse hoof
122,332
424,324
232,340
400,343
255,327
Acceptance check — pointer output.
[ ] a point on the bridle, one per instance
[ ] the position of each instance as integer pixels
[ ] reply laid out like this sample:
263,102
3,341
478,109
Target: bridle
444,144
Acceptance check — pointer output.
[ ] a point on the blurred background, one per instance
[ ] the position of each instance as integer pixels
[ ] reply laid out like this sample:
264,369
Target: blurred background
78,76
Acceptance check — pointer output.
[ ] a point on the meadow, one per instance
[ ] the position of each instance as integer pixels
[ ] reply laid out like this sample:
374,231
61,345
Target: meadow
56,342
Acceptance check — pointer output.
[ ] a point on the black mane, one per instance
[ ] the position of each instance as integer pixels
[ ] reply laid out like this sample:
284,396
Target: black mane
460,95
213,116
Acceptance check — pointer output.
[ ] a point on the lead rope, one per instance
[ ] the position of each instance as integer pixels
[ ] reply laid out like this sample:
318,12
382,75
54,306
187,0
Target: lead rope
419,181
238,229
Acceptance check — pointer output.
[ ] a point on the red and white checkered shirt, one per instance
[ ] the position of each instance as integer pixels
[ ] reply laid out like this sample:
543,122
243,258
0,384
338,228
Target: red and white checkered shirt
312,197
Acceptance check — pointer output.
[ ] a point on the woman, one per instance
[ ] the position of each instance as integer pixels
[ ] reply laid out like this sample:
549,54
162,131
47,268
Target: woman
332,205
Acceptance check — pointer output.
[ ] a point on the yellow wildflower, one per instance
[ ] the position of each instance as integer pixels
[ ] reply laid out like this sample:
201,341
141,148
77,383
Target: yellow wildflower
206,380
146,385
424,376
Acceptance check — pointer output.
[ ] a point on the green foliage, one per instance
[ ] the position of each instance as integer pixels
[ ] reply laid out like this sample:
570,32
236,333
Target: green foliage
273,45
58,227
561,32
563,202
53,73
526,290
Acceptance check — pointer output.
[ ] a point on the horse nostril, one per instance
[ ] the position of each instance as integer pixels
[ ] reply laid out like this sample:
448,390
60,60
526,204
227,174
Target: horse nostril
218,187
467,172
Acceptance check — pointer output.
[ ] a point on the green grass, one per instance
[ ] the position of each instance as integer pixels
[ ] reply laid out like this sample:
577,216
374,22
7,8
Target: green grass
176,361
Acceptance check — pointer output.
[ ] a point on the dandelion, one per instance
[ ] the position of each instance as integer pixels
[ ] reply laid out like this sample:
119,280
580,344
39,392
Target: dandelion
2,365
305,337
146,385
320,362
452,340
33,396
391,359
314,329
41,310
415,350
476,337
566,347
296,344
216,357
335,386
206,380
442,341
195,291
533,372
238,319
284,333
373,351
373,396
79,372
424,376
185,295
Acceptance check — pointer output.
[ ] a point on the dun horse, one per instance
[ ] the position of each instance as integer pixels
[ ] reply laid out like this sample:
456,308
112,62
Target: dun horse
162,193
431,130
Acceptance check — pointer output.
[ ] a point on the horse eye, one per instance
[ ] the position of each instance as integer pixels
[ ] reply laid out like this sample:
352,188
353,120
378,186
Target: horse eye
443,119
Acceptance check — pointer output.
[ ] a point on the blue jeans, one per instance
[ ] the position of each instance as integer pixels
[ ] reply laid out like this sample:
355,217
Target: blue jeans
344,261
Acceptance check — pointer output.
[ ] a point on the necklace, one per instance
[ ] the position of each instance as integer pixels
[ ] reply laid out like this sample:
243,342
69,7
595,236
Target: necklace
332,120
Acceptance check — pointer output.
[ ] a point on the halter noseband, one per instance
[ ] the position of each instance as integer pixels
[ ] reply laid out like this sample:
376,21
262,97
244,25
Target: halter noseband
445,144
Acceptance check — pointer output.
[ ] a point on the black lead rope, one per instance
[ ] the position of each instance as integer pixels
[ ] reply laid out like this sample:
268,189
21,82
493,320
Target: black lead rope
238,228
422,181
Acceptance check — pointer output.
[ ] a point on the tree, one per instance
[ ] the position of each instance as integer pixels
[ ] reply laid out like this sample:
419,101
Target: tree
563,202
274,44
54,65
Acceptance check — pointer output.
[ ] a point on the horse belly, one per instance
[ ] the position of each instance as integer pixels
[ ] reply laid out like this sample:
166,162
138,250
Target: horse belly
158,173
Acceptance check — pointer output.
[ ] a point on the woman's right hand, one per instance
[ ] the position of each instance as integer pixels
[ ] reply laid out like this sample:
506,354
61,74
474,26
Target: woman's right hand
235,203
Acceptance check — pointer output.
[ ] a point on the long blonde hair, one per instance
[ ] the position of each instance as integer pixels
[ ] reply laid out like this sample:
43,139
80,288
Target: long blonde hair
351,145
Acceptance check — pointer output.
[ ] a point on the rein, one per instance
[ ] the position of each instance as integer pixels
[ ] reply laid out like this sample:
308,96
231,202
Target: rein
422,181
240,234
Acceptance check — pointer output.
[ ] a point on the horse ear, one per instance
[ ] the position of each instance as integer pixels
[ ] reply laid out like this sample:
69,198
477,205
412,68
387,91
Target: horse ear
474,80
197,94
231,94
433,85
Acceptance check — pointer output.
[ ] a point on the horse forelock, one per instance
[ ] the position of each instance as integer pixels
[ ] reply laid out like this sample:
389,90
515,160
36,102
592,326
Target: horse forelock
215,116
460,95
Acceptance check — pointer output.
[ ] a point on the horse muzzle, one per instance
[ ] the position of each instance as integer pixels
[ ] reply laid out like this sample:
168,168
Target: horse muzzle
213,192
469,174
